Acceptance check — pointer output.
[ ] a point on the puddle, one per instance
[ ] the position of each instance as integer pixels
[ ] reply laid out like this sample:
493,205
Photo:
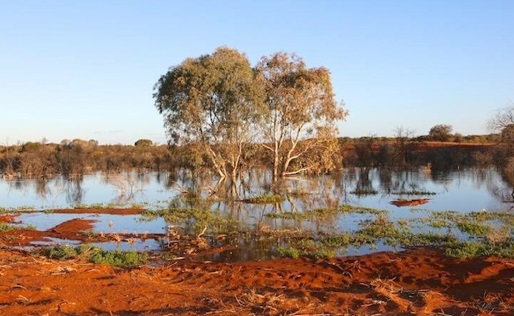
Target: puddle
51,241
106,223
135,244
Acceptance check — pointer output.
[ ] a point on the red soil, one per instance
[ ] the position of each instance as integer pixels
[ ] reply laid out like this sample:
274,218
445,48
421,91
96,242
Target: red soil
419,281
8,219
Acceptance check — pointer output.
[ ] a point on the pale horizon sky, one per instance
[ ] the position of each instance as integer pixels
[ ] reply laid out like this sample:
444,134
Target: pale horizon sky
86,69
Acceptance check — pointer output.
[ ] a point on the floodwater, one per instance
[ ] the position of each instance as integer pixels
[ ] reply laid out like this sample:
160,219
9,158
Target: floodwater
462,190
459,190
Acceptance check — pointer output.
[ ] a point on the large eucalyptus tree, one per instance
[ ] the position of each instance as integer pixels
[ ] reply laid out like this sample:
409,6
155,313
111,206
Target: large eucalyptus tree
300,125
212,102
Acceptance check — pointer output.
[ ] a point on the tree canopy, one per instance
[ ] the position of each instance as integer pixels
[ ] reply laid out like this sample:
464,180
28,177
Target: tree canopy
212,101
301,115
441,132
143,143
222,105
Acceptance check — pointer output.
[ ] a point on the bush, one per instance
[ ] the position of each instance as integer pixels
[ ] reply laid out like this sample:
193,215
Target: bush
93,254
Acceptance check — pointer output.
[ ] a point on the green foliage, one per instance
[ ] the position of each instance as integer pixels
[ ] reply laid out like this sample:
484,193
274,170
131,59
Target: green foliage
307,248
6,227
474,228
381,227
290,252
352,209
493,239
126,259
299,125
65,252
476,249
337,241
324,213
213,101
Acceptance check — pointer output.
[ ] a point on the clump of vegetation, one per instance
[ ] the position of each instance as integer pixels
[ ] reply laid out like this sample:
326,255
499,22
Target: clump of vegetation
21,209
196,220
362,192
381,227
414,192
290,252
352,209
477,249
7,227
126,259
323,213
492,233
475,229
307,248
95,206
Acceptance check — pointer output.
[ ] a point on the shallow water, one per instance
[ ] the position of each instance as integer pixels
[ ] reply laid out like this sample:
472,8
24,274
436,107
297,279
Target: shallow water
463,190
460,190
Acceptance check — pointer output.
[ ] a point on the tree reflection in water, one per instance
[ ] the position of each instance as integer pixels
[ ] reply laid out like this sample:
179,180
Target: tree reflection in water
204,189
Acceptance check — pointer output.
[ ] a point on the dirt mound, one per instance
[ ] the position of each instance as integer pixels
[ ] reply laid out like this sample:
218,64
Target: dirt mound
418,281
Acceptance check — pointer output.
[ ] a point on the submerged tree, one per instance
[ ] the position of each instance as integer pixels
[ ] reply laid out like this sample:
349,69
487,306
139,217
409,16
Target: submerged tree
503,122
299,128
212,101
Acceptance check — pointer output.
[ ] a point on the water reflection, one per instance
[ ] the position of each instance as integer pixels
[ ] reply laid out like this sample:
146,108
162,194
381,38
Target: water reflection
466,190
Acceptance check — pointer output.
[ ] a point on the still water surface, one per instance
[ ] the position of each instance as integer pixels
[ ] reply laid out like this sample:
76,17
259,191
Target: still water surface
460,190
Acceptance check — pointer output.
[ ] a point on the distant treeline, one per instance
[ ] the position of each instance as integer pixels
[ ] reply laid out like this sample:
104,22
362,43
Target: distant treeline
78,157
450,138
385,153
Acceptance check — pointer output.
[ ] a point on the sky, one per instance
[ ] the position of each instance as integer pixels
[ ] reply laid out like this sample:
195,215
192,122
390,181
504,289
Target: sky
87,69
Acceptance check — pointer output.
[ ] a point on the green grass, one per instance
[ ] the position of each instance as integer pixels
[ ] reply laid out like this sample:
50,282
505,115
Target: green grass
477,249
352,209
315,253
490,233
6,227
475,229
460,234
20,209
327,213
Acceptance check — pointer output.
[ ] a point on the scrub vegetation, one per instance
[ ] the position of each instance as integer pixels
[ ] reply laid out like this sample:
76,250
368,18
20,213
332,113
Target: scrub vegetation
125,259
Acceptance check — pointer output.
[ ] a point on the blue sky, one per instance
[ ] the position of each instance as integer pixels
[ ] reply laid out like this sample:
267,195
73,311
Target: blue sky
86,69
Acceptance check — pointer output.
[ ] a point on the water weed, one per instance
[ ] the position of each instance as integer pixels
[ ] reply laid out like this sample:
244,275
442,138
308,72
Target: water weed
267,198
